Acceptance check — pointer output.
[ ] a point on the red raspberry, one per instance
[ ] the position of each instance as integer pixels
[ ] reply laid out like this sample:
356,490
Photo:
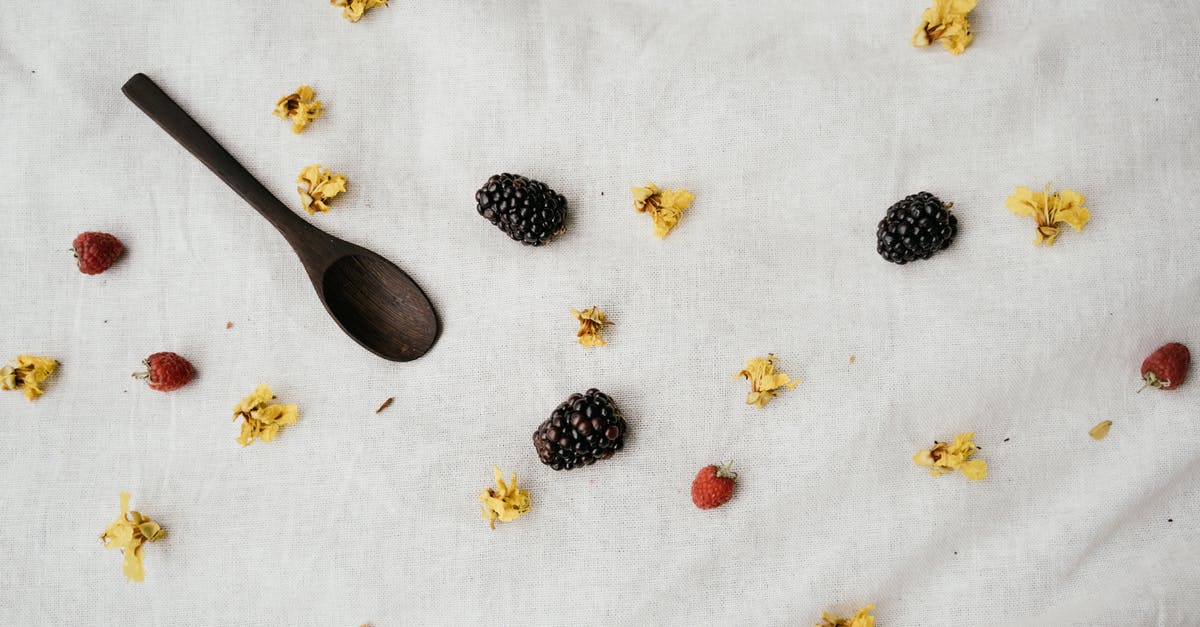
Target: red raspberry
1166,367
166,372
713,486
96,252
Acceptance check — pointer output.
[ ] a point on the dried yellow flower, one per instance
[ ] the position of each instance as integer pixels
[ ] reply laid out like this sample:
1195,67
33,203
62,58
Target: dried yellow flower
505,502
665,206
765,383
319,185
260,418
129,532
861,618
1050,210
947,21
948,457
353,9
591,321
299,107
26,373
1099,431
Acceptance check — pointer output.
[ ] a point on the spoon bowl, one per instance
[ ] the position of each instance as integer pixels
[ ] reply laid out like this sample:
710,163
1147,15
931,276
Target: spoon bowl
370,298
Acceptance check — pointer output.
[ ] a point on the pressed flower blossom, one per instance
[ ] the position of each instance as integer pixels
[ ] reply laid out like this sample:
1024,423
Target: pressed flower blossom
1050,210
591,321
26,373
946,21
861,618
947,457
765,382
319,185
665,206
505,502
299,107
353,9
129,532
260,418
1099,431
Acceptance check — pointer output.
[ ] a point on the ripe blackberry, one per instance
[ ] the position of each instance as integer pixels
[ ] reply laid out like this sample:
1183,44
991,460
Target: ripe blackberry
527,210
584,428
916,228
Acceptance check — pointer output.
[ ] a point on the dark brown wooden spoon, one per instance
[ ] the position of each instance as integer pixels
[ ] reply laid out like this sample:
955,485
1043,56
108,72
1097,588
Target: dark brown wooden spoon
371,299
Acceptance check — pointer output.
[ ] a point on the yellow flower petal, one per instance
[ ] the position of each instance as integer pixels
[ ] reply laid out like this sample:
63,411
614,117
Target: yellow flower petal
861,618
504,502
765,383
27,373
974,469
299,107
319,185
591,322
129,532
1076,217
1049,210
665,207
947,457
1100,431
260,419
946,21
353,10
1024,202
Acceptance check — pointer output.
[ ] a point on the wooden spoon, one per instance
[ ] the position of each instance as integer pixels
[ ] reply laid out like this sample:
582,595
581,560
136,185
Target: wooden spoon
372,300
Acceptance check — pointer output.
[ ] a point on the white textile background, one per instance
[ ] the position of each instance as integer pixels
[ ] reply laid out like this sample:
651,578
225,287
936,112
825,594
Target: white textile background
796,123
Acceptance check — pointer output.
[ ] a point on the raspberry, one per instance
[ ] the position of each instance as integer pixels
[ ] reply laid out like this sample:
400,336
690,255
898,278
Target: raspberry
1166,367
96,252
166,372
713,486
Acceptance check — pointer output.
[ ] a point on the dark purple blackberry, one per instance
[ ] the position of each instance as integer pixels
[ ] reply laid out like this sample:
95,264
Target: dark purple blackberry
527,210
916,228
584,428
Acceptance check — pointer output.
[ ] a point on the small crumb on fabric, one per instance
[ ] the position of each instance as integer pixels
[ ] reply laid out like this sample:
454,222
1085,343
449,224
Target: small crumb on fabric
228,325
386,404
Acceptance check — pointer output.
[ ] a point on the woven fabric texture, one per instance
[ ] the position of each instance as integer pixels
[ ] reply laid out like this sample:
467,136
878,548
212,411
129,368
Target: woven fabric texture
796,123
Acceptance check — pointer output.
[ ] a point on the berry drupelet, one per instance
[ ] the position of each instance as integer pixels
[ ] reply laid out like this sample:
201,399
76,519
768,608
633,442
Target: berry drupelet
916,228
526,210
583,429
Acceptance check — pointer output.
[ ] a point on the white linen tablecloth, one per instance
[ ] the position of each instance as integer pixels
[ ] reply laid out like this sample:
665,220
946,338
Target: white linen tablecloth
796,123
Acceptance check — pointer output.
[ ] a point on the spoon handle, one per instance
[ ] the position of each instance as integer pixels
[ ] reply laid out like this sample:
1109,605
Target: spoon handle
178,124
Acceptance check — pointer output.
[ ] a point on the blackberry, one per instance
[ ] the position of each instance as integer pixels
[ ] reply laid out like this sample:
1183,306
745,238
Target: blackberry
916,228
526,210
583,429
